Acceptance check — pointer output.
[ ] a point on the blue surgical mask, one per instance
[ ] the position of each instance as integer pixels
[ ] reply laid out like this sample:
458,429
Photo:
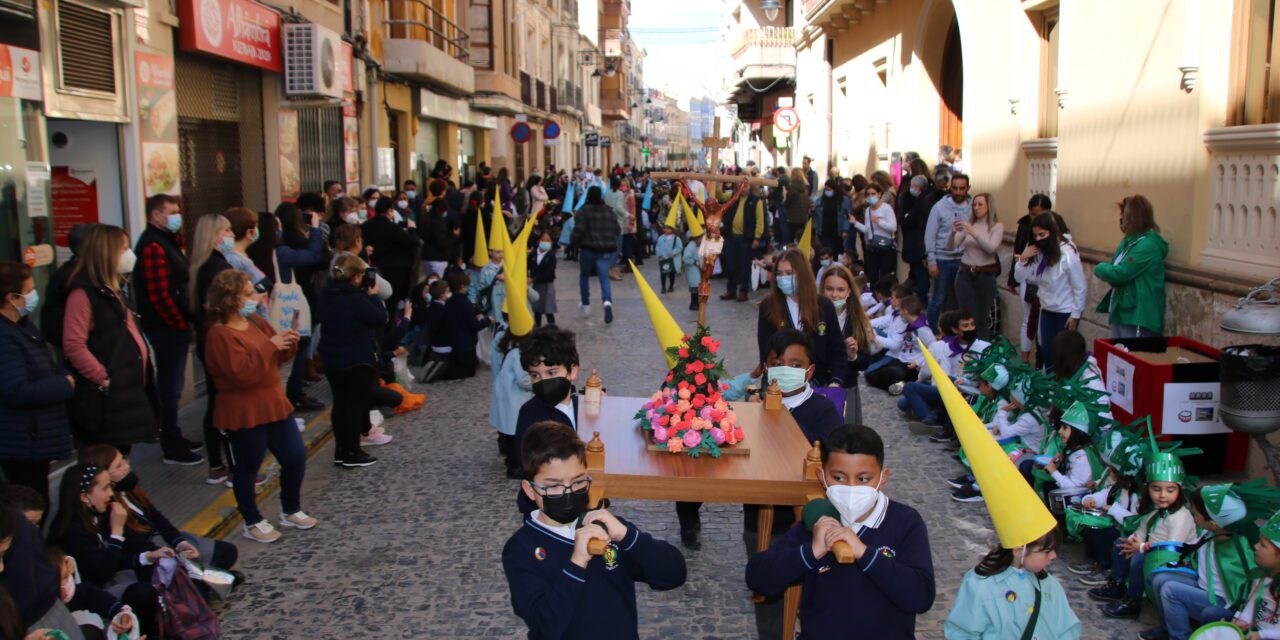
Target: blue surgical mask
826,262
362,215
249,308
226,244
173,222
828,193
787,285
789,378
544,246
872,200
29,302
914,192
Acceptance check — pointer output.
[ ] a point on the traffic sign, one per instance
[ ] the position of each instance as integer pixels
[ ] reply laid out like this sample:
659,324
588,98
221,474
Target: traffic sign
551,130
520,132
786,119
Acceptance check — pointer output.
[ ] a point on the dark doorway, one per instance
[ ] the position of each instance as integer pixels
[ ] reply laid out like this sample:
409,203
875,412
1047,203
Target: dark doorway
951,126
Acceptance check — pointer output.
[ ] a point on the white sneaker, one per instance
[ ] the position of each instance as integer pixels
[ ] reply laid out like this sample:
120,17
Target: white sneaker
896,388
297,520
262,532
375,437
585,309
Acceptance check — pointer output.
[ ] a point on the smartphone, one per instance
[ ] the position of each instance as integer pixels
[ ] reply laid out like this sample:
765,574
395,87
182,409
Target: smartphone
293,324
260,286
370,278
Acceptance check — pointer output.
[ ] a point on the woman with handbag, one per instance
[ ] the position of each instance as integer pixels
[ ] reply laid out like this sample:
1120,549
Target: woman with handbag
115,400
879,225
980,238
34,390
287,306
243,355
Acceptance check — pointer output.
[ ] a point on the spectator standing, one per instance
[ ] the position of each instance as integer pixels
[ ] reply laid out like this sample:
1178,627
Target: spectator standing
1027,293
1135,303
353,314
922,196
1053,265
212,240
34,390
944,262
394,250
980,239
880,228
160,291
54,308
796,205
115,400
743,229
244,355
595,234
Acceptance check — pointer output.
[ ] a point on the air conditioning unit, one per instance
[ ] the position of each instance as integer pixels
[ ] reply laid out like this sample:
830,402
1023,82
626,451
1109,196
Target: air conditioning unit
311,61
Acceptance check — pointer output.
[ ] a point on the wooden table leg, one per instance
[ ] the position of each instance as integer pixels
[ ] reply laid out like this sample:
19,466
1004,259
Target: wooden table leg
790,609
764,533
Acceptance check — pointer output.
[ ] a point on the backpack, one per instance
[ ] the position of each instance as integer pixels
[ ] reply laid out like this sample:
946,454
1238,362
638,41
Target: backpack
184,614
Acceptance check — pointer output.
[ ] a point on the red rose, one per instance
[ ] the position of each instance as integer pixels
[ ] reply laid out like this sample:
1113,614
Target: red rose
682,384
707,341
716,415
664,420
699,400
700,379
670,408
688,369
682,425
683,352
738,434
690,415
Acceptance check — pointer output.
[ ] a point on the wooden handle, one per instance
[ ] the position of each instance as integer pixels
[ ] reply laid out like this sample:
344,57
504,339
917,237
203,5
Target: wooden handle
843,552
596,547
711,177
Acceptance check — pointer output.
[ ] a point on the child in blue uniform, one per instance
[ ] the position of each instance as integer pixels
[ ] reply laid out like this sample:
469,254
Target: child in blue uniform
1011,590
692,269
557,587
670,252
889,582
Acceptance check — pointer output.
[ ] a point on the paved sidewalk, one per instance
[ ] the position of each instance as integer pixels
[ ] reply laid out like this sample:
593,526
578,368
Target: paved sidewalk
410,547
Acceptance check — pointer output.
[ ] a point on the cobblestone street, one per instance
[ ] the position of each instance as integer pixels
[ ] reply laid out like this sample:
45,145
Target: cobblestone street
410,548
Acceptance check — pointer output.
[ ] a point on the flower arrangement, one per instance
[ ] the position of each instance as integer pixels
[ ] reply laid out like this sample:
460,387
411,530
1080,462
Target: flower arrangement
689,414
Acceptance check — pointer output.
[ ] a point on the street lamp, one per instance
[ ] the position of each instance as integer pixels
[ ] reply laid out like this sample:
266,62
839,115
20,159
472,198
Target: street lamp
771,8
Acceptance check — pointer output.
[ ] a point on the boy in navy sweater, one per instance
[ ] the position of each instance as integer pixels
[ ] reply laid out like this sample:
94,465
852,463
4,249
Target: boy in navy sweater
890,580
550,355
557,587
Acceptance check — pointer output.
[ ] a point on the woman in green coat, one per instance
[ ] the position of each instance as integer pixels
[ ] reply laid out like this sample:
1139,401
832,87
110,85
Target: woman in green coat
1135,304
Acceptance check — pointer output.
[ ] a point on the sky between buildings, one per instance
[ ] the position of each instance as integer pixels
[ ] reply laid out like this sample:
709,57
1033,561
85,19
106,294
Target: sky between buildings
682,41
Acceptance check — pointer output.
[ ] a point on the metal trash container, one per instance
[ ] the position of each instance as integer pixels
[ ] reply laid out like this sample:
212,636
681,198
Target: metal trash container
1250,377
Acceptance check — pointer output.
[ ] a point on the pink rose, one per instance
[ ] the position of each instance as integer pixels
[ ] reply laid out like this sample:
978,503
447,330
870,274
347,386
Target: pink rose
685,394
682,406
721,406
717,434
660,434
675,445
707,414
692,439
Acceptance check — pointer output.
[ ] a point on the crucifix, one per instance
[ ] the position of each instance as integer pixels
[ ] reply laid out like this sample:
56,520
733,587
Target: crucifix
713,212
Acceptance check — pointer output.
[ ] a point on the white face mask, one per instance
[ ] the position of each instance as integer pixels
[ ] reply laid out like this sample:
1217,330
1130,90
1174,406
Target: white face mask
351,218
127,261
402,204
853,502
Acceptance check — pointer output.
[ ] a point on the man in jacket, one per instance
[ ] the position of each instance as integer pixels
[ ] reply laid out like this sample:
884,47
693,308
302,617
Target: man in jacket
394,250
160,286
944,262
595,234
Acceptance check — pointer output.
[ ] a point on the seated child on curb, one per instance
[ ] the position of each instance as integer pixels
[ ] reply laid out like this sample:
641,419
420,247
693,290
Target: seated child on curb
557,587
1077,465
901,358
1259,615
1165,519
890,580
1120,497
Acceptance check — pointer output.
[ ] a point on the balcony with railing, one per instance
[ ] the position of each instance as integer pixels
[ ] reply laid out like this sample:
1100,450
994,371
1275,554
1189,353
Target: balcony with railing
626,131
423,44
569,99
569,10
615,104
760,58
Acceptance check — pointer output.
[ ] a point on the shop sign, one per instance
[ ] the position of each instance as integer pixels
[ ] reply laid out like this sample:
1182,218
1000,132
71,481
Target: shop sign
346,63
290,179
238,30
19,73
591,140
351,146
75,201
158,125
606,142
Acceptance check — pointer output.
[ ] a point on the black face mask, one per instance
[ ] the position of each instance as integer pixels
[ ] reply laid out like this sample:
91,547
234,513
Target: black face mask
969,336
566,507
127,483
1044,243
552,391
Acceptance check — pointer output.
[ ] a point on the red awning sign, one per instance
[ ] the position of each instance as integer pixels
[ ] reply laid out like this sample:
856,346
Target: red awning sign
238,30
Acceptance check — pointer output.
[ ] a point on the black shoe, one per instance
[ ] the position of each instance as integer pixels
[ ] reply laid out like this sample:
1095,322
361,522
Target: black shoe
307,404
358,458
1112,591
1154,633
967,494
184,457
608,313
689,538
192,445
432,371
941,438
237,578
961,481
1124,609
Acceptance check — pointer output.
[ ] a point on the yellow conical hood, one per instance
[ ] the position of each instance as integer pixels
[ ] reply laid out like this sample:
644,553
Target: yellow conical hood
1016,511
498,226
695,225
514,253
516,282
664,326
481,257
673,217
806,240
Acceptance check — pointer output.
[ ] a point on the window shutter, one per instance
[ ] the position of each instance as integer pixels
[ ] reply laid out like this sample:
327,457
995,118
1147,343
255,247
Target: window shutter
86,47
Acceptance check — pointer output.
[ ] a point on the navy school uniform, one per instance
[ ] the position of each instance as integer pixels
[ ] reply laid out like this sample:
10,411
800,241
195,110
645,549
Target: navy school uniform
877,596
532,412
558,599
829,355
817,417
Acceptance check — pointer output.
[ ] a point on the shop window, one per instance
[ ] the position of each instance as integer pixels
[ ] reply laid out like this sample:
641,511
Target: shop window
1254,89
1049,28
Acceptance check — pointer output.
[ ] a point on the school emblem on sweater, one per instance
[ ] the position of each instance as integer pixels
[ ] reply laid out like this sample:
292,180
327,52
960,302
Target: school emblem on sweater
1010,596
611,557
540,553
887,552
822,328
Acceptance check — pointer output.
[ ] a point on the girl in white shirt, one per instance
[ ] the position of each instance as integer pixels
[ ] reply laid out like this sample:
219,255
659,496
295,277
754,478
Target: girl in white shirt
880,227
1053,265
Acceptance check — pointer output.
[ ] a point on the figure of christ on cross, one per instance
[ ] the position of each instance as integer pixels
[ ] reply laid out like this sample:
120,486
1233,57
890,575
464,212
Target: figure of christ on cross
712,241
